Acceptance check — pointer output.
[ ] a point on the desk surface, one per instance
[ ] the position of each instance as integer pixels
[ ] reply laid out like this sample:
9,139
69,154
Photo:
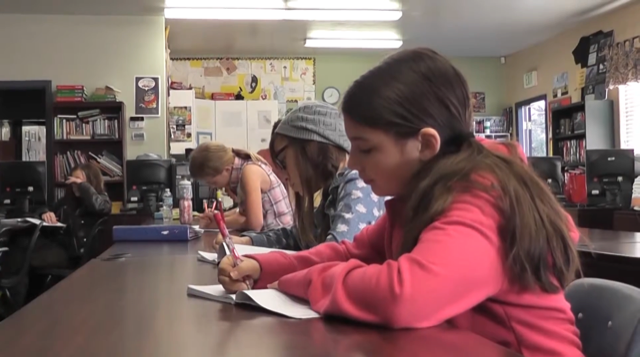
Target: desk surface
607,236
139,307
612,243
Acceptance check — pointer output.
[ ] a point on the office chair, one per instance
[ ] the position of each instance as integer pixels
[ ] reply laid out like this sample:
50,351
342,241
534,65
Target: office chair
549,168
88,252
608,316
9,304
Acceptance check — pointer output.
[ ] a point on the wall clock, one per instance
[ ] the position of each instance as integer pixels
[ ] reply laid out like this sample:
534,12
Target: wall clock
331,95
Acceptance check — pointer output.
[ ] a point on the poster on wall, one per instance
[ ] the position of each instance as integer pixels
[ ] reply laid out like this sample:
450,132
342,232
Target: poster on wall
147,96
180,123
478,100
561,85
286,80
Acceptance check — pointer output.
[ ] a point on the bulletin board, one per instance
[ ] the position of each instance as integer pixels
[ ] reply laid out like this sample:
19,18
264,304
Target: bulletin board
285,79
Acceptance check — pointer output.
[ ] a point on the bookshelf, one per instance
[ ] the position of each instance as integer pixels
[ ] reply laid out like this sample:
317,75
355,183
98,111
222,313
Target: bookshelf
26,106
579,127
87,131
492,127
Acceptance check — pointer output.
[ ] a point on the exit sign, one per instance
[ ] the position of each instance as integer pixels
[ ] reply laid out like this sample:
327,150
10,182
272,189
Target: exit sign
531,79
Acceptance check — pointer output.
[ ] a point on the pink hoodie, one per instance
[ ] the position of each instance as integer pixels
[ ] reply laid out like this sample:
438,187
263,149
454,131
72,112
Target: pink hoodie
455,274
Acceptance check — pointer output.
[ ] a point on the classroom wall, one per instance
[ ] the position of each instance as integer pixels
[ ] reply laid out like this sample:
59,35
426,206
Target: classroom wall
89,50
340,70
553,57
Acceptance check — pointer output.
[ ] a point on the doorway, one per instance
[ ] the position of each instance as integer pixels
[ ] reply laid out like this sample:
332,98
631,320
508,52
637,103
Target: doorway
531,124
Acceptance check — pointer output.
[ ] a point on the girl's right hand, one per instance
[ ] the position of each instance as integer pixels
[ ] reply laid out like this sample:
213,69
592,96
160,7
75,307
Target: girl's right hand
206,221
233,278
49,217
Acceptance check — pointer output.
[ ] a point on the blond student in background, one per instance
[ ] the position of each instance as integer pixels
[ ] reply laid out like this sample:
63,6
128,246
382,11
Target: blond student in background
263,201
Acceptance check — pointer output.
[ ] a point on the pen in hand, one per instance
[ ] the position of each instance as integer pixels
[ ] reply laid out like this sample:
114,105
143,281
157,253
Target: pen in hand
237,259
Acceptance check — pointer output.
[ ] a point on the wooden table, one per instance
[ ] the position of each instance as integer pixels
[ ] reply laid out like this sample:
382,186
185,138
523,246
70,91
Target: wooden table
139,307
613,255
605,218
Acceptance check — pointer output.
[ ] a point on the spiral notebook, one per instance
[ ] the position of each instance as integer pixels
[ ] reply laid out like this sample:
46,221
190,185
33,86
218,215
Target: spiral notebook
268,299
242,250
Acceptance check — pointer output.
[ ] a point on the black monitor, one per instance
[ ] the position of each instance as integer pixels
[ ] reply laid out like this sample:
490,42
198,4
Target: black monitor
549,169
610,176
146,181
23,186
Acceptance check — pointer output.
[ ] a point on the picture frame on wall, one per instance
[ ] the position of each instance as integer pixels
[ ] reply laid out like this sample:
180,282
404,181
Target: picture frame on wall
147,92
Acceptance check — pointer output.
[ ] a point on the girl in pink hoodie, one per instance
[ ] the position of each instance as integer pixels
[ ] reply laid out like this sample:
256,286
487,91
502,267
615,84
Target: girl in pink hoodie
472,238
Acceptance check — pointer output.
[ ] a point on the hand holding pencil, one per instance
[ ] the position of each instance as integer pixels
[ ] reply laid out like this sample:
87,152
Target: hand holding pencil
206,219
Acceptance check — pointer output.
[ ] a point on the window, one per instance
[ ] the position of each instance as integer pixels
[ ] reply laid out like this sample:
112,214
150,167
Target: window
630,117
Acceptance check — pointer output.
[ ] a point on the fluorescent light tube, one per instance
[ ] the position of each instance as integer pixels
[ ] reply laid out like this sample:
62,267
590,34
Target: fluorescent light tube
275,14
344,4
226,4
354,35
327,43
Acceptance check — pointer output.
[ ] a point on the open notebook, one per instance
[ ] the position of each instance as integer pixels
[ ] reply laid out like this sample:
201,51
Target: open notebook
242,250
269,299
33,221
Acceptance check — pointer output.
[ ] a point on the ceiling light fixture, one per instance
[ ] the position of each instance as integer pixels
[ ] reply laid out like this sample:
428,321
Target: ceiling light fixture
220,4
344,4
276,14
369,44
353,35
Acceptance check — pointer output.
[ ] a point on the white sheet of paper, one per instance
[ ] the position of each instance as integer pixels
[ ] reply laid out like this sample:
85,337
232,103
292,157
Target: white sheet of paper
294,90
208,257
278,302
196,77
231,123
269,299
180,71
260,118
205,112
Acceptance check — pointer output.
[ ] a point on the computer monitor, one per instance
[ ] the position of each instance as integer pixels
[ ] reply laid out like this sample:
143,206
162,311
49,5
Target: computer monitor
23,186
610,176
549,169
146,181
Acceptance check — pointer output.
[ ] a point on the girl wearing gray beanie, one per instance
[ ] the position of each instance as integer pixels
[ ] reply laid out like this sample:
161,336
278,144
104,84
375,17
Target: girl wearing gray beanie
310,150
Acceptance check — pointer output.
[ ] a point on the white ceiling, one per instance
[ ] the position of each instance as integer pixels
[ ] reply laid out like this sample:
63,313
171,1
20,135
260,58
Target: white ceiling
453,27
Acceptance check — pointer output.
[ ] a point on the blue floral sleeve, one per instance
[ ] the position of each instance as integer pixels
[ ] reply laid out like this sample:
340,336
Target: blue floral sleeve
356,207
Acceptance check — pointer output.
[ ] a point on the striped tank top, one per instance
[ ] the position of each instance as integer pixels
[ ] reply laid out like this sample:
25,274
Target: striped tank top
276,207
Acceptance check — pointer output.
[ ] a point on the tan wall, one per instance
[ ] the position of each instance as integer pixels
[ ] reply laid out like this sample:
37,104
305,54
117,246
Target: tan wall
553,57
89,50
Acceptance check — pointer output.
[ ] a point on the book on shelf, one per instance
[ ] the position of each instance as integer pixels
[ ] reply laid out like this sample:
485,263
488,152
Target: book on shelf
71,93
89,124
573,151
106,162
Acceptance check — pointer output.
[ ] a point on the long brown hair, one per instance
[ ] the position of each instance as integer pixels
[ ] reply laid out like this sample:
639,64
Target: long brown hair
94,179
209,159
317,164
93,175
419,88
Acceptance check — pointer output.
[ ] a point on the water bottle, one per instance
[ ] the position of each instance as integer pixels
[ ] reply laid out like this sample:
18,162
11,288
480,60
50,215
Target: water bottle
186,203
167,206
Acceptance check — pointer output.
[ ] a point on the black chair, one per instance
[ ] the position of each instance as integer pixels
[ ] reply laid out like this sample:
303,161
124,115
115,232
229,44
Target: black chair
85,253
608,316
9,305
549,169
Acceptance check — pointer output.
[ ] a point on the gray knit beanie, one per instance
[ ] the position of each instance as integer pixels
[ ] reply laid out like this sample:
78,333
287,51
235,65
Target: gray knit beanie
318,122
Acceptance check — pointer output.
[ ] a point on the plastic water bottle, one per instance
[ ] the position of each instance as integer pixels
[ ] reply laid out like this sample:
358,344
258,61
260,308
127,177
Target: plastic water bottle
167,206
186,203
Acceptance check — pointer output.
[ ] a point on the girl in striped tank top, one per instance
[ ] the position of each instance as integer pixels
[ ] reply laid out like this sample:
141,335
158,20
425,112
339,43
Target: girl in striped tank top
263,202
